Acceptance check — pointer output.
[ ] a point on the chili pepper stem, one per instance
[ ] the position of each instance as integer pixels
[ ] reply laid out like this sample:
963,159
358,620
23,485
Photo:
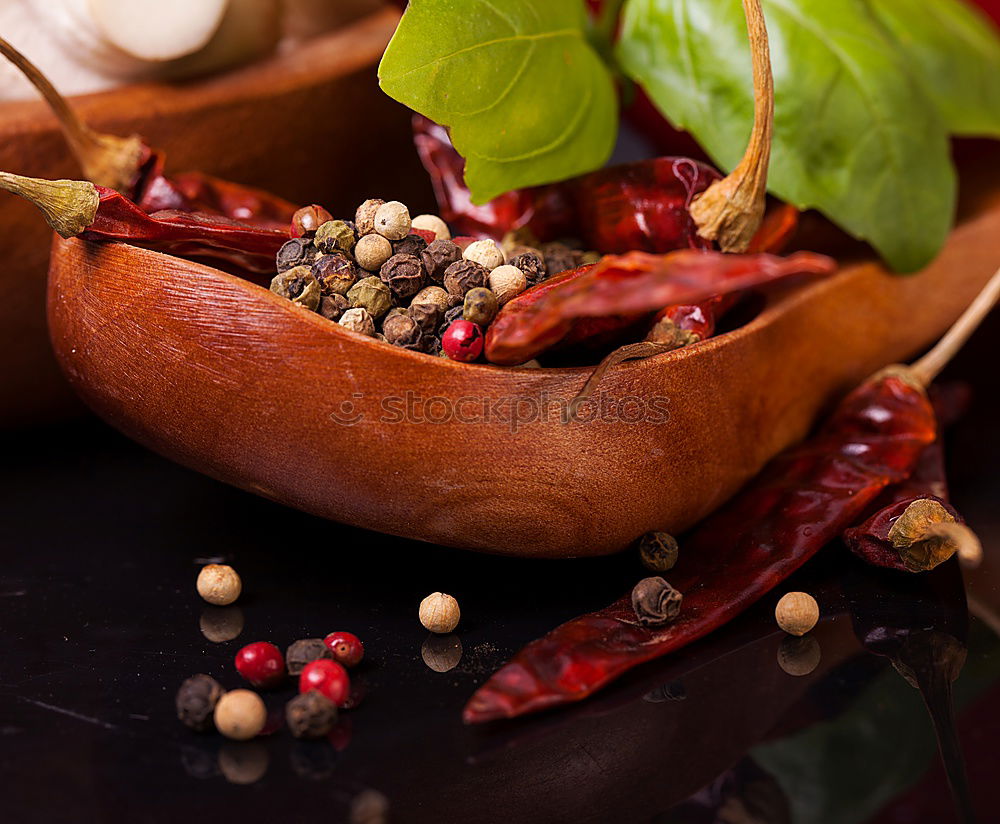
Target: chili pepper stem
69,206
931,364
107,160
631,351
731,210
967,544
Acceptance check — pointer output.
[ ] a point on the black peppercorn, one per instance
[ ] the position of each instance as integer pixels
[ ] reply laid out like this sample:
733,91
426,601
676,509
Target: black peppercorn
410,245
658,551
402,330
438,256
336,273
310,715
426,315
655,602
298,251
304,652
404,275
559,257
450,316
332,307
335,236
297,285
196,700
431,344
532,265
464,275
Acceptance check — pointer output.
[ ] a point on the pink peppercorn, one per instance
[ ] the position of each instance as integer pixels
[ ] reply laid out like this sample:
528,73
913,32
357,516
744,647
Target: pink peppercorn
346,647
327,677
261,663
462,341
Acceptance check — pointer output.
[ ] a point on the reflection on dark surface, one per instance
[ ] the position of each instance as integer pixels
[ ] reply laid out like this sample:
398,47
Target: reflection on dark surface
101,624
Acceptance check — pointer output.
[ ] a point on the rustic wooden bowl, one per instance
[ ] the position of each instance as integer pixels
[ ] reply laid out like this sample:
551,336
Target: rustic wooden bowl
312,126
222,376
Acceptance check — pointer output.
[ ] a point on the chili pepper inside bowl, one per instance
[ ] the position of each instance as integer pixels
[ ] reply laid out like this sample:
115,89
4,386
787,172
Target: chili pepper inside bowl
225,377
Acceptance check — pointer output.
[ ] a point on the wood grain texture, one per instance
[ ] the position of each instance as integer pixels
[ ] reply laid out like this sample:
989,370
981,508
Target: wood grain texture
312,126
233,381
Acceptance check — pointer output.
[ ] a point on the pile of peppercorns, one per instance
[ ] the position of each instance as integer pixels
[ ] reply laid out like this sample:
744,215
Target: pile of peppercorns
324,688
406,281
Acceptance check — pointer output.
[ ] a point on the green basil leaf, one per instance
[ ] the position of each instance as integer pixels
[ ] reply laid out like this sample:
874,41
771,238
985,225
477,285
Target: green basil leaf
528,99
855,134
955,52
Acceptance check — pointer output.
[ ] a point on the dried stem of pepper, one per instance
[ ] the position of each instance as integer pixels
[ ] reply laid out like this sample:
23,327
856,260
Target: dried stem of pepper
129,166
804,498
78,208
731,210
106,159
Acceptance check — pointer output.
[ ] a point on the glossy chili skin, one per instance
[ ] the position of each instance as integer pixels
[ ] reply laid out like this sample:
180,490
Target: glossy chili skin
186,234
154,191
799,502
870,539
640,206
627,286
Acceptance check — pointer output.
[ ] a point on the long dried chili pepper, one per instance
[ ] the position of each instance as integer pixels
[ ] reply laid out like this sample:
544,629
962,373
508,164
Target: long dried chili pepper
804,498
76,208
630,285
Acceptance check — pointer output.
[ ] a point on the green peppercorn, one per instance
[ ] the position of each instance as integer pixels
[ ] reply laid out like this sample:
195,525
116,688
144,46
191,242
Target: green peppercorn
480,306
372,294
297,285
335,236
336,273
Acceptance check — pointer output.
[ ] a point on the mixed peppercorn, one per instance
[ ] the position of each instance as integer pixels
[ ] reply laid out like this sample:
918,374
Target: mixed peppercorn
406,281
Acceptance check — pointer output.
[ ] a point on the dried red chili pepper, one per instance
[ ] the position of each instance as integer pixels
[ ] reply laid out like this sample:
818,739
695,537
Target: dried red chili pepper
197,192
635,206
81,209
627,286
802,499
799,502
914,527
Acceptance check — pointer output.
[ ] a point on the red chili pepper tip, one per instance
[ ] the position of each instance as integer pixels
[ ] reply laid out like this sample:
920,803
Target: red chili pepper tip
261,663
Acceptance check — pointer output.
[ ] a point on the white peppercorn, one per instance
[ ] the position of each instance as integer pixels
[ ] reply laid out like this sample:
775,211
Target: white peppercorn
240,715
372,251
507,282
358,320
219,584
796,612
364,217
485,253
392,220
439,613
432,223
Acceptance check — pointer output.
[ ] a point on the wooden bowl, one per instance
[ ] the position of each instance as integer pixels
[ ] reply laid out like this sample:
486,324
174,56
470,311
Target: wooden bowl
312,126
222,376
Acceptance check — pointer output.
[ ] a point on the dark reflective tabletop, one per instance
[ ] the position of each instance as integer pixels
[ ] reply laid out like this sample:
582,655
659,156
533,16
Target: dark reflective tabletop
101,622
